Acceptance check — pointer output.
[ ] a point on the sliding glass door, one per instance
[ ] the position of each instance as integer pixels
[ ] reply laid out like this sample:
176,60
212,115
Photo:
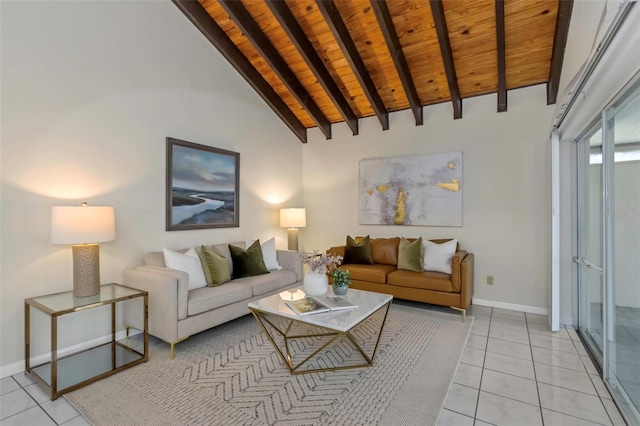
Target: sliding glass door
623,366
608,255
591,211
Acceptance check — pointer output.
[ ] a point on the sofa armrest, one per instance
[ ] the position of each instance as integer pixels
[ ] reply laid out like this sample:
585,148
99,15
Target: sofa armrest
466,280
168,293
290,261
455,269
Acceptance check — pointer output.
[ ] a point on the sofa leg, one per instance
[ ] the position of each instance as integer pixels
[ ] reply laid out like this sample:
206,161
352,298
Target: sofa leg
173,345
464,312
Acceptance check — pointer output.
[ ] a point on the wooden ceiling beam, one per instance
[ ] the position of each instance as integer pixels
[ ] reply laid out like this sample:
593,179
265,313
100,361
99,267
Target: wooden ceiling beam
300,40
253,32
393,43
348,47
197,14
437,11
559,44
502,63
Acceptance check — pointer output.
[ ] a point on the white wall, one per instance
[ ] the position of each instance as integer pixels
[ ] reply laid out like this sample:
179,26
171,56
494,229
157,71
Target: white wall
505,182
90,90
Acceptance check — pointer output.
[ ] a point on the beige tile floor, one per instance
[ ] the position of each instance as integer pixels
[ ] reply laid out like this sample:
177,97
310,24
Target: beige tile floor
23,402
515,371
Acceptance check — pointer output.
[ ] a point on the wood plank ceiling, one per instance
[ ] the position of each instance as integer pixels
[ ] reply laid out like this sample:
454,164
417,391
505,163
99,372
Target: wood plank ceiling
322,62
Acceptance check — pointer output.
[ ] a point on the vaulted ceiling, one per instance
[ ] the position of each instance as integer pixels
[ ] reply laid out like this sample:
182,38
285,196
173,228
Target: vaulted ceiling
317,63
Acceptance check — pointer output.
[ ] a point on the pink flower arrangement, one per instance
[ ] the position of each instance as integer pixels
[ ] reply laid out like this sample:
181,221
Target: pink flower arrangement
321,263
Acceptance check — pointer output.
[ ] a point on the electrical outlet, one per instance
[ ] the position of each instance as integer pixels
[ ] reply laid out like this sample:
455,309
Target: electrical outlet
489,279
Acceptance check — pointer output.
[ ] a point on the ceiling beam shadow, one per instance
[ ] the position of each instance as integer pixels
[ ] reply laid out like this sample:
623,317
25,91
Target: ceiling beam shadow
348,47
559,44
447,56
252,31
502,64
197,14
393,43
299,39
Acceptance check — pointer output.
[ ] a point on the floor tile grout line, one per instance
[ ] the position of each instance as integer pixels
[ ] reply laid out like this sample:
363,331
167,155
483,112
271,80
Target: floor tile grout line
23,388
514,399
535,376
593,384
458,412
484,359
509,374
576,417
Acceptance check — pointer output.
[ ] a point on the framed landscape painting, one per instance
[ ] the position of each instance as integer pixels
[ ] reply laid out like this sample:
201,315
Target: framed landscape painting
202,186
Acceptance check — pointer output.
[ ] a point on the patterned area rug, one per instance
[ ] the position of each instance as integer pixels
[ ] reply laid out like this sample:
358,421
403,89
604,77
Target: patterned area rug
231,375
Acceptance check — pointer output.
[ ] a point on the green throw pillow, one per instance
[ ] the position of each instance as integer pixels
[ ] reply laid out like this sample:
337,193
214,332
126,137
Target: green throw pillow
358,252
249,262
410,255
215,266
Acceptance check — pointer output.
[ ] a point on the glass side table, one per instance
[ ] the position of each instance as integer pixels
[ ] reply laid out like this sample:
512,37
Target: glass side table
68,373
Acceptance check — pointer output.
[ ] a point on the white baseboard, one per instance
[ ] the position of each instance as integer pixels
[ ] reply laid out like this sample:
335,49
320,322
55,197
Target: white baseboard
511,306
19,366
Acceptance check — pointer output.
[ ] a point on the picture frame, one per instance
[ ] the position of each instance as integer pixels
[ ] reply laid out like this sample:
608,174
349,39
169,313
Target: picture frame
202,186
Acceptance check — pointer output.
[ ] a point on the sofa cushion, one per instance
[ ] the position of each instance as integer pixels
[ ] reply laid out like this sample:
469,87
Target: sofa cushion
358,251
385,250
224,250
274,280
249,262
208,298
154,258
372,273
188,262
437,257
269,253
424,280
216,268
410,255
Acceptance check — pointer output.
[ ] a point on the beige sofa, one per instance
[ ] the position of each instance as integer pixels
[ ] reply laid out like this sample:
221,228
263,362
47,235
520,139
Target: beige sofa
175,313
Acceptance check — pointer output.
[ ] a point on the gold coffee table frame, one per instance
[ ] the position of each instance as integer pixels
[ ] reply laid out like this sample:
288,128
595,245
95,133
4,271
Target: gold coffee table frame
262,318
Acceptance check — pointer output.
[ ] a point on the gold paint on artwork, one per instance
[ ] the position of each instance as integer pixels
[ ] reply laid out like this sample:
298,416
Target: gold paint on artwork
383,188
453,186
401,207
452,166
370,192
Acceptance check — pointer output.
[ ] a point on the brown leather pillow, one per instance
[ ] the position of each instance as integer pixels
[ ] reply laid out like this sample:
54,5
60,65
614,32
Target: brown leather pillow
385,250
358,251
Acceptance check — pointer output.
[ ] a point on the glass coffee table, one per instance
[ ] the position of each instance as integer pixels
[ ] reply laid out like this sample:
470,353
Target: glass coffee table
326,341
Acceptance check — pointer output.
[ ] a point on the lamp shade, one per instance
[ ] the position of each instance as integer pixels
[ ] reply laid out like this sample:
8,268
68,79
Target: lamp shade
293,218
82,224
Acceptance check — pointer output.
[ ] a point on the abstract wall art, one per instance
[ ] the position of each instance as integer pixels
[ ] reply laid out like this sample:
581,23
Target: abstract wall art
418,190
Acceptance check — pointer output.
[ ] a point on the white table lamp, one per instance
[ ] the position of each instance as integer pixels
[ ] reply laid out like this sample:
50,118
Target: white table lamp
84,227
293,219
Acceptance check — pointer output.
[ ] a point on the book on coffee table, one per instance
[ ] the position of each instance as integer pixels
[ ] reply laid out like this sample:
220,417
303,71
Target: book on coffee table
318,304
336,303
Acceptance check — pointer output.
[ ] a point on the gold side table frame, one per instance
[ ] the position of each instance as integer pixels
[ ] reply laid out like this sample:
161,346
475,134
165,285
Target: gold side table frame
288,336
108,358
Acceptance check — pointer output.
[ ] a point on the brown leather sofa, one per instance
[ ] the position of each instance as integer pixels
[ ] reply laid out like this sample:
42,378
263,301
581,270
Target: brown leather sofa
438,288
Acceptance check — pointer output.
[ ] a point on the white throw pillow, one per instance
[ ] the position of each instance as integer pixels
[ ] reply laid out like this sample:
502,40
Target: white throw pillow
437,257
269,254
188,262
